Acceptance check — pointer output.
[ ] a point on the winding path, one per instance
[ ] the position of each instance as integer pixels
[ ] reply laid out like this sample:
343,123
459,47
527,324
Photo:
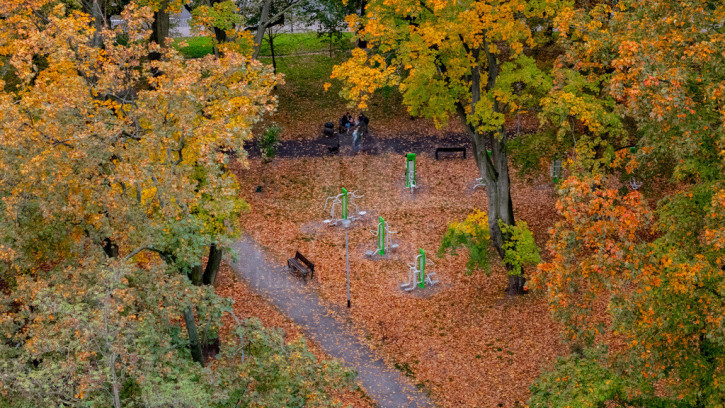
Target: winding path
336,337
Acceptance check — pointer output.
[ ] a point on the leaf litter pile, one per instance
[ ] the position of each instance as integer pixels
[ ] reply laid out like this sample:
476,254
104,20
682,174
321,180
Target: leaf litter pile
463,340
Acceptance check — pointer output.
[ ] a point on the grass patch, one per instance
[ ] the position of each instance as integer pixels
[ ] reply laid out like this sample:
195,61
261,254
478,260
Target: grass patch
305,76
302,43
304,105
197,47
284,44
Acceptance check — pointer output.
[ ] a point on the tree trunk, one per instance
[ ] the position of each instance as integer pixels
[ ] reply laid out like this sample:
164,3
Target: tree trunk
221,35
115,386
196,275
493,168
212,265
362,43
271,49
159,33
98,22
516,285
194,343
263,21
160,26
110,248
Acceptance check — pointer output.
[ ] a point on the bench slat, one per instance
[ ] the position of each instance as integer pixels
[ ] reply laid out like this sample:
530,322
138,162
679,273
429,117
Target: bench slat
304,260
302,265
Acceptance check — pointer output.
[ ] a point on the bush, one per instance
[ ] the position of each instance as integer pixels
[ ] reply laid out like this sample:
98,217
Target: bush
473,234
269,141
578,381
520,249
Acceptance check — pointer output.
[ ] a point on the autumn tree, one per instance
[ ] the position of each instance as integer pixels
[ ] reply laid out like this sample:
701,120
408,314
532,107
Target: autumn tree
640,266
144,148
101,336
330,16
469,60
113,185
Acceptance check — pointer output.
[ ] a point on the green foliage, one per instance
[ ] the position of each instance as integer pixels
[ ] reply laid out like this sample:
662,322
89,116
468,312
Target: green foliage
520,247
92,329
587,380
583,381
86,329
267,372
473,234
221,15
578,381
532,154
269,140
681,214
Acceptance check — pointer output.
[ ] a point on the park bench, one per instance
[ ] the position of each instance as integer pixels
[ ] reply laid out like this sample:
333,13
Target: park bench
461,149
301,265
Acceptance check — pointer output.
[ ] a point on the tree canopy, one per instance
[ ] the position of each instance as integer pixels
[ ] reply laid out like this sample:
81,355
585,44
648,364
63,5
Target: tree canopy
470,60
640,268
113,184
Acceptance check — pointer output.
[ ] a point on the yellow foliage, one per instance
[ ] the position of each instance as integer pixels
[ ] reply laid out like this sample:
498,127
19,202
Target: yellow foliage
475,225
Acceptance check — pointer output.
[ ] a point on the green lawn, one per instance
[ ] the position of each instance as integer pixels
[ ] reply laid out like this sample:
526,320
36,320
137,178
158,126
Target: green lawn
196,46
284,44
301,43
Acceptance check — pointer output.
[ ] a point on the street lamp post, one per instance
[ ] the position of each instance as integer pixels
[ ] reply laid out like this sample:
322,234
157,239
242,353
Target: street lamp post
343,200
345,224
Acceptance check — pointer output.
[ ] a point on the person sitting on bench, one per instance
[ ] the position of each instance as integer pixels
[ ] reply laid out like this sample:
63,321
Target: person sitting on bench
344,124
349,121
363,121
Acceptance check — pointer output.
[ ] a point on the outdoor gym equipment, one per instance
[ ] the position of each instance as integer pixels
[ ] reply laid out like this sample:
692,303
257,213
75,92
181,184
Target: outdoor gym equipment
342,201
634,184
410,172
385,242
417,275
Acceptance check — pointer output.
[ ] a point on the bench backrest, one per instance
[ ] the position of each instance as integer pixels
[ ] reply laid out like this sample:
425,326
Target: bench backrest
304,260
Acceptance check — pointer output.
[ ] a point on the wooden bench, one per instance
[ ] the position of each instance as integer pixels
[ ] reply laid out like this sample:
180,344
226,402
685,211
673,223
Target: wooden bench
451,149
301,265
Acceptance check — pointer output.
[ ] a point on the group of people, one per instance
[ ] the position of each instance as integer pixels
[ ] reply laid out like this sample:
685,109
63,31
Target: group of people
358,126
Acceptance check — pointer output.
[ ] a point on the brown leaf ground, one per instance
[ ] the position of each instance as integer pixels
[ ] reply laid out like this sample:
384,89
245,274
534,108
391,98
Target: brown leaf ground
464,340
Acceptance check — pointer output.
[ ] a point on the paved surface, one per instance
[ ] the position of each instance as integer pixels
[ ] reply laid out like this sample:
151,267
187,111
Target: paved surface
412,143
288,293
